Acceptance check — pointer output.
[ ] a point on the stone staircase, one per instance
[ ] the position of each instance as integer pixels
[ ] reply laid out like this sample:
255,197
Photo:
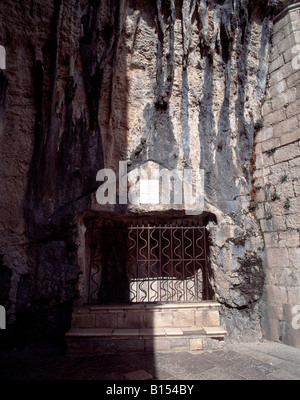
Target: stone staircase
144,327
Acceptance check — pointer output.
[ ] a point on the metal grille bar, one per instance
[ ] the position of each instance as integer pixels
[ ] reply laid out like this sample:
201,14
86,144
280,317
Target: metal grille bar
162,263
167,263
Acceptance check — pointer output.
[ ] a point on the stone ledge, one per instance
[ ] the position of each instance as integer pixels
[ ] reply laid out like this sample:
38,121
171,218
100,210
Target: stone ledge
215,331
89,332
147,306
93,341
209,331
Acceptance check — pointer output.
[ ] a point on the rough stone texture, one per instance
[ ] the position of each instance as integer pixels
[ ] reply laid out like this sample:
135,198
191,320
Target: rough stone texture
242,361
277,181
90,83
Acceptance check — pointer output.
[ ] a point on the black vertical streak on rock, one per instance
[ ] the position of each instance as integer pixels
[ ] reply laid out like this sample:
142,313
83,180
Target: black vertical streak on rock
164,140
244,143
170,71
226,42
50,251
117,31
171,56
37,161
32,212
184,105
226,169
92,73
69,96
160,102
206,125
41,171
184,115
93,70
186,17
69,174
162,145
3,89
53,131
187,13
164,79
200,29
243,19
38,77
43,297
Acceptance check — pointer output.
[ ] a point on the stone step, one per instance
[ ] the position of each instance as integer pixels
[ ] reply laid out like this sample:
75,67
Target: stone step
144,327
103,340
143,316
107,332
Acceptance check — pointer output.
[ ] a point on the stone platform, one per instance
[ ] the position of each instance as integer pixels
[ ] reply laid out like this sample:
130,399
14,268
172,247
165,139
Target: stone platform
144,327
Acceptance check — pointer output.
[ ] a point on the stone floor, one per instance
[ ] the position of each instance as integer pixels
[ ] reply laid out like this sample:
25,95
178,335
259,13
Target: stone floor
248,361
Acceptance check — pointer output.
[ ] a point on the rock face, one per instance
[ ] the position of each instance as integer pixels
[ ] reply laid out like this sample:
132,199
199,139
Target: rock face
91,83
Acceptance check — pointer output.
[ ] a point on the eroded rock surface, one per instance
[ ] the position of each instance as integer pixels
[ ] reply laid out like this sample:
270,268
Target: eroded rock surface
91,83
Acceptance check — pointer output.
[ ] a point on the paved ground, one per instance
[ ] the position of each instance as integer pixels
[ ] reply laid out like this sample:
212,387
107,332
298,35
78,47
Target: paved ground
250,361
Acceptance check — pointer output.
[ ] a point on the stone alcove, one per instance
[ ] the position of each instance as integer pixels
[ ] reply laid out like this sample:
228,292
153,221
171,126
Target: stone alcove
154,258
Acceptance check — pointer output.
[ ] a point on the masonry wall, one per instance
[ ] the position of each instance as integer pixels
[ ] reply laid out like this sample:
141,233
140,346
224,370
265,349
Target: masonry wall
277,201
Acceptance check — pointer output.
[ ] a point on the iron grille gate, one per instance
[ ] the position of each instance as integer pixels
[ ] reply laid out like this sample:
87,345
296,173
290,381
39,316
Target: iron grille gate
147,263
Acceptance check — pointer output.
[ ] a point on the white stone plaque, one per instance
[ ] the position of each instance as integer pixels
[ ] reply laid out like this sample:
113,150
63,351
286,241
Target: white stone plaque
149,191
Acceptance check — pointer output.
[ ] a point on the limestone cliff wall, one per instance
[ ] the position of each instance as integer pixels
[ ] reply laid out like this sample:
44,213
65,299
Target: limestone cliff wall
87,81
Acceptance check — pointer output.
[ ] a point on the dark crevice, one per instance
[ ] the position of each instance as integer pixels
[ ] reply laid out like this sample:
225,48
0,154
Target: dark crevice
226,42
49,159
92,72
161,102
3,90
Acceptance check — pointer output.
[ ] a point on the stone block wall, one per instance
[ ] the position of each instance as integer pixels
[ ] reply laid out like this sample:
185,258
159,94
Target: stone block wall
277,183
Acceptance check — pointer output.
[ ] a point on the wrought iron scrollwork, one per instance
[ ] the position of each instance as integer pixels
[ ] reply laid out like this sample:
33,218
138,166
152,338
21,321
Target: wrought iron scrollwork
164,263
